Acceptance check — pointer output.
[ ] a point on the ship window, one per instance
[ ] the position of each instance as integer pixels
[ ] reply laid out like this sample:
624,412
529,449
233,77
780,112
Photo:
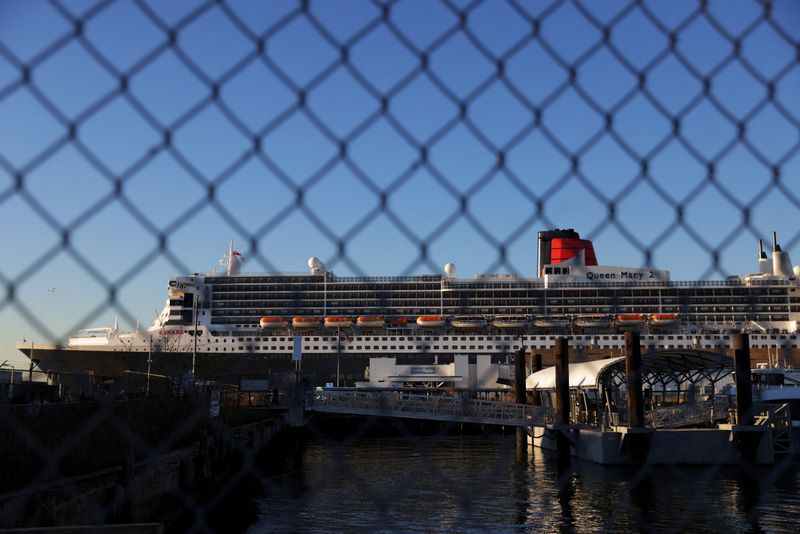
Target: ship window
463,347
248,339
225,348
472,338
463,339
393,347
436,347
383,339
241,339
358,347
384,347
480,346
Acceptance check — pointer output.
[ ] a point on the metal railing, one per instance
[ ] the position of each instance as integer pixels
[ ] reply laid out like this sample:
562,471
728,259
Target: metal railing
688,414
432,407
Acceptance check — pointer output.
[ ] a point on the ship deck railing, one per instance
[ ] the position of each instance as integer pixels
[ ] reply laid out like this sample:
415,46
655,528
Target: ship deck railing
447,283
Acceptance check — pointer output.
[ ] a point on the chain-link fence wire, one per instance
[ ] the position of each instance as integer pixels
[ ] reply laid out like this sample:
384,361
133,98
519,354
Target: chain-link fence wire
727,102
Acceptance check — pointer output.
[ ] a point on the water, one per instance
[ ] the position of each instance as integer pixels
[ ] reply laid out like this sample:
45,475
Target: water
472,483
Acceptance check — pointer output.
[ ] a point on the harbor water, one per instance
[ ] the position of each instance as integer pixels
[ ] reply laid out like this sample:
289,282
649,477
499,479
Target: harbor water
473,483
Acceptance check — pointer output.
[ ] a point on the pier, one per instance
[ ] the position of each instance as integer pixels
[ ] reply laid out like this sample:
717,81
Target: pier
575,409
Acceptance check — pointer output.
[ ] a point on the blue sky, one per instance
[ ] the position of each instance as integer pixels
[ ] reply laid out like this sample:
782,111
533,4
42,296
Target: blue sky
430,157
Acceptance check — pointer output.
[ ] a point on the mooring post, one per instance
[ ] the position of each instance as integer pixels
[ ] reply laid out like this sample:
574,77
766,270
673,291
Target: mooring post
519,376
520,398
633,378
536,367
563,445
744,386
746,436
637,437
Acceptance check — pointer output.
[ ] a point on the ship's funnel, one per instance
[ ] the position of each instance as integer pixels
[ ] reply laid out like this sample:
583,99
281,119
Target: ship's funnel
764,266
781,263
556,246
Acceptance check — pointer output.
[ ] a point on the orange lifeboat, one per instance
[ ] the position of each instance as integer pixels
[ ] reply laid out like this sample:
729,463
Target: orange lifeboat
631,319
273,322
664,319
305,322
338,322
370,321
398,321
431,320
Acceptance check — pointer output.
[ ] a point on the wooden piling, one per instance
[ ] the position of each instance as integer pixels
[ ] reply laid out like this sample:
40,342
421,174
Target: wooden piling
633,378
520,397
744,386
563,445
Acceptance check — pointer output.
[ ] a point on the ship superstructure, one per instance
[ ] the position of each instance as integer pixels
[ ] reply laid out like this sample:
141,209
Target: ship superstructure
235,322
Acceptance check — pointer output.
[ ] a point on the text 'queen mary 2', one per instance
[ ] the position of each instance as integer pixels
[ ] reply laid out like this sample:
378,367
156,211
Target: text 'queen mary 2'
236,324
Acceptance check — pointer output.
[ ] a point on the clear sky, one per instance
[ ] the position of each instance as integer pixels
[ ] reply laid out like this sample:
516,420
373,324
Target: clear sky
393,144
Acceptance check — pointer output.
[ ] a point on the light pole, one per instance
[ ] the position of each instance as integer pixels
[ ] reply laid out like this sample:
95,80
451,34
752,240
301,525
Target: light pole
338,352
149,360
194,352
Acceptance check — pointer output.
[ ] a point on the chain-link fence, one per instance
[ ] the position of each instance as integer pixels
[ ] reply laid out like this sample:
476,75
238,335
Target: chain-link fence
387,137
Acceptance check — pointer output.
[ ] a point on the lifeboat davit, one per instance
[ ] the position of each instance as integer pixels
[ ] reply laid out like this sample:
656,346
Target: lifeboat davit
431,320
664,319
593,320
551,321
510,321
273,322
338,322
468,321
630,319
305,322
370,321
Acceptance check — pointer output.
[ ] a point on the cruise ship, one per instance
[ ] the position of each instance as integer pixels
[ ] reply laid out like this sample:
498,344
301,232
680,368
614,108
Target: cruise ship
233,324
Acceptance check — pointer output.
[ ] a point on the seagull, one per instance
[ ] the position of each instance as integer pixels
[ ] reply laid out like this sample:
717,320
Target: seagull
52,290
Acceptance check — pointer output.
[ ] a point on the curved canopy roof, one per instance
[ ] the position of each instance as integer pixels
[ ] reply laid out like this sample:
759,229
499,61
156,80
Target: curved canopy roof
679,365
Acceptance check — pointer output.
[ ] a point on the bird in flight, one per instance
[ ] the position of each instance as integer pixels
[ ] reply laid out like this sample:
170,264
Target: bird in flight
52,290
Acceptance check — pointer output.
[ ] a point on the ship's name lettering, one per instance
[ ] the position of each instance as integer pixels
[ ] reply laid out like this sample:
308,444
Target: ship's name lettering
622,274
165,332
177,285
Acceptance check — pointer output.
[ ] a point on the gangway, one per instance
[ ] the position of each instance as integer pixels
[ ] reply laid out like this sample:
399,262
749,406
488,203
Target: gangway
430,407
688,414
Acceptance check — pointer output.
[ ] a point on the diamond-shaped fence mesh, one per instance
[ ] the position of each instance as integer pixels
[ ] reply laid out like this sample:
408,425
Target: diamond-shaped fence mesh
391,137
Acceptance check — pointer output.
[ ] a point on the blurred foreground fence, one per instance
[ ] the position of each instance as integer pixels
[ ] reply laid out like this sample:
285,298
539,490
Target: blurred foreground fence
643,119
